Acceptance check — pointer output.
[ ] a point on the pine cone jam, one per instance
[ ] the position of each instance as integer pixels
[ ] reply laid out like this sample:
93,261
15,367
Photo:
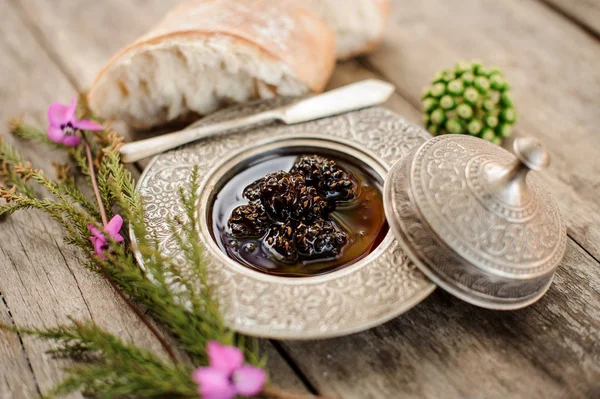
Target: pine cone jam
319,215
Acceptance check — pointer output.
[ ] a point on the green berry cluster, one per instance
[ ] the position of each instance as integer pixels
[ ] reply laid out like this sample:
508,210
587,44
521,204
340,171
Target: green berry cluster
469,99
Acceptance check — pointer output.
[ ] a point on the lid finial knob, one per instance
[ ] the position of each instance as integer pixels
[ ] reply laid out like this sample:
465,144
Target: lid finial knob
531,153
509,182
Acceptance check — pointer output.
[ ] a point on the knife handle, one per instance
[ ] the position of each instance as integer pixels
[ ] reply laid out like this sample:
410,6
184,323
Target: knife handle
132,152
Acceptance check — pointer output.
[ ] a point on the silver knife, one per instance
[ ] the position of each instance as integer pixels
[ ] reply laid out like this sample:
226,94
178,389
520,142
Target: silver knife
363,94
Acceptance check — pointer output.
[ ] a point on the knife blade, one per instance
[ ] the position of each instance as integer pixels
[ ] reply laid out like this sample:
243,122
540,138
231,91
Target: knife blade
363,94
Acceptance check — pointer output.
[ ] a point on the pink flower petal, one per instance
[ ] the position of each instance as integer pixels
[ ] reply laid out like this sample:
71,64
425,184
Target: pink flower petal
95,231
114,226
56,134
249,380
59,114
223,357
71,109
99,245
85,124
72,140
214,383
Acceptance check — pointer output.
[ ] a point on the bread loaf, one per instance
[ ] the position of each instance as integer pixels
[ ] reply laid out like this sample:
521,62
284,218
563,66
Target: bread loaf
209,53
358,25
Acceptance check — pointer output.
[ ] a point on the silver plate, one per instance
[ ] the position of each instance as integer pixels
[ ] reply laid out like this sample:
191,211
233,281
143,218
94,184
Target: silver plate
365,294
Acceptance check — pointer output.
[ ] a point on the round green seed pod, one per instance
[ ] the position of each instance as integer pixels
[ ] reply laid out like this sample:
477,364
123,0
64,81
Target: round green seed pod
491,121
447,102
482,71
481,84
488,104
471,95
474,127
462,67
438,77
488,134
464,111
494,70
504,130
433,129
469,98
508,115
429,104
456,87
438,116
497,141
426,93
438,89
448,76
506,99
454,126
497,81
468,78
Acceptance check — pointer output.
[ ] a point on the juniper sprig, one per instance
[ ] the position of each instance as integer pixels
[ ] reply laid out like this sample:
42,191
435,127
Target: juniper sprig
180,299
109,367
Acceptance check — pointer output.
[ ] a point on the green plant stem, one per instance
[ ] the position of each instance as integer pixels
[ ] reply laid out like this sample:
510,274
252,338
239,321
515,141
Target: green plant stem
114,285
88,152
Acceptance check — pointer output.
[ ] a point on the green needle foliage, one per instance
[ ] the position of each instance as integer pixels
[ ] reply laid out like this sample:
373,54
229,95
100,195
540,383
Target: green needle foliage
469,99
180,299
109,367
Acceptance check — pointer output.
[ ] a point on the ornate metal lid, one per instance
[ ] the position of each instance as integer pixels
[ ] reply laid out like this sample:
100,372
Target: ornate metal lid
501,229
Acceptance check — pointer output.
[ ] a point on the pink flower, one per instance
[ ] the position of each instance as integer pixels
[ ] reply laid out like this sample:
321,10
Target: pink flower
98,237
64,125
228,376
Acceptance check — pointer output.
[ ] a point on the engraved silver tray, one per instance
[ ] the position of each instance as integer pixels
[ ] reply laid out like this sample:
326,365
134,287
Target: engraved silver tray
367,293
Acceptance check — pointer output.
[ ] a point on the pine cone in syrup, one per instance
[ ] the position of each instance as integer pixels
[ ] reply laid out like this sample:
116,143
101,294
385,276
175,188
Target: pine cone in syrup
327,176
249,221
280,240
320,238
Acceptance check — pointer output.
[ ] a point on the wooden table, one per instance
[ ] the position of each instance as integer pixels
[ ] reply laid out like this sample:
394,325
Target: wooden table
443,348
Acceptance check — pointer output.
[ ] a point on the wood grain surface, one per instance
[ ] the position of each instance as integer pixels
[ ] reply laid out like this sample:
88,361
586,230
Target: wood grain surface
585,13
549,52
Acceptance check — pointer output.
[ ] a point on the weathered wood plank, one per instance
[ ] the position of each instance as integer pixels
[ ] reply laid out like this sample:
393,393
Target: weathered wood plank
19,383
79,53
552,66
583,12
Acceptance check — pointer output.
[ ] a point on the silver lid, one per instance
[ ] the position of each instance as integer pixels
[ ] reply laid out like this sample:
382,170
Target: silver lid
475,221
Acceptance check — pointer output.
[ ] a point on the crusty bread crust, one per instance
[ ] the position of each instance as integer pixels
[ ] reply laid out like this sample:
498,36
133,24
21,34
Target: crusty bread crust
280,34
357,24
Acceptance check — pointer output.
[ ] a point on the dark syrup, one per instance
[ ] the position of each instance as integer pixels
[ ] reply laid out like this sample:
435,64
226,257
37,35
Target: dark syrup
362,219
